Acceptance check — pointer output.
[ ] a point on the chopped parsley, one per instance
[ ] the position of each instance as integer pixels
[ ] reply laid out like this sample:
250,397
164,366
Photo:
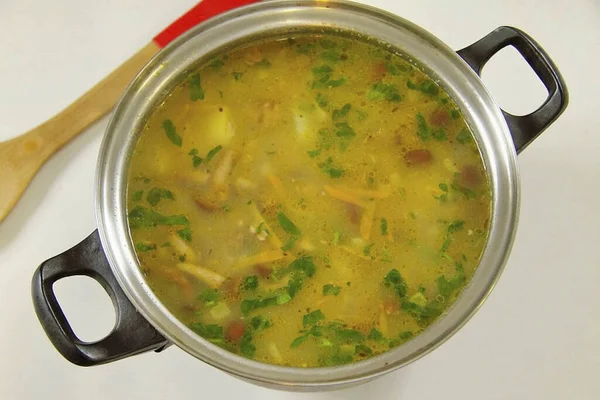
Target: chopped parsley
196,161
287,225
427,87
394,280
156,194
290,243
171,133
212,153
312,318
141,217
323,80
185,234
144,247
384,91
211,332
237,75
453,227
426,133
209,297
331,290
342,112
216,64
137,195
250,283
464,137
196,91
331,169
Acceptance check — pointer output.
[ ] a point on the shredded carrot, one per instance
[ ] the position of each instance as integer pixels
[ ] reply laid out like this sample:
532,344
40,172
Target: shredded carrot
260,258
343,196
207,276
366,222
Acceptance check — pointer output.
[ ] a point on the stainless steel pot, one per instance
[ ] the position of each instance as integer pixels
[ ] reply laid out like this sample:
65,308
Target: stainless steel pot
108,256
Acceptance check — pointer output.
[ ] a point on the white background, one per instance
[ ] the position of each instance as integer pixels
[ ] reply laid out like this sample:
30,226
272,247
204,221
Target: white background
537,336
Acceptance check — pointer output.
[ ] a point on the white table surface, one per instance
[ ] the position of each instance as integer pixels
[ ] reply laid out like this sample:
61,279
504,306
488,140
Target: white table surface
537,336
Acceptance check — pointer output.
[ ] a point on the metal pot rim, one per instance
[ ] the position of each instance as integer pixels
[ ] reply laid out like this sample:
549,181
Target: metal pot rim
258,20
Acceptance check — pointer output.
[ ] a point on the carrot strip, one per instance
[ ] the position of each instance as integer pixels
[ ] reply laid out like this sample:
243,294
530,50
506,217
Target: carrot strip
343,196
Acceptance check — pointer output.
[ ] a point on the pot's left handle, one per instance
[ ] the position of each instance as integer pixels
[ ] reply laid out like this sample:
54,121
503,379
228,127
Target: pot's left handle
132,333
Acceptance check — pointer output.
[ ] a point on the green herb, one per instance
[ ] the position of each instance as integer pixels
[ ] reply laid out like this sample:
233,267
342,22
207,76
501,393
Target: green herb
303,265
312,318
294,285
298,341
287,225
454,114
261,228
344,130
446,287
137,195
405,335
453,227
395,68
246,347
322,100
283,298
443,187
144,247
367,249
212,153
156,194
237,75
196,161
340,359
383,226
342,112
250,283
196,91
182,258
185,234
394,280
209,297
322,75
314,153
362,350
412,215
290,243
249,305
427,87
165,244
422,289
426,133
331,169
421,312
305,48
264,63
443,197
216,64
141,217
375,335
226,208
220,94
213,333
464,137
259,323
349,335
331,55
172,133
331,290
384,91
336,238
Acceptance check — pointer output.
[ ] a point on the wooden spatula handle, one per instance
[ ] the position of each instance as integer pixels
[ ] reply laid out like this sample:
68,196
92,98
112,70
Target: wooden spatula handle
22,157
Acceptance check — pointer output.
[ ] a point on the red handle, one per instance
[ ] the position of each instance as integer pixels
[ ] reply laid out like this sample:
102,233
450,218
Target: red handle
200,13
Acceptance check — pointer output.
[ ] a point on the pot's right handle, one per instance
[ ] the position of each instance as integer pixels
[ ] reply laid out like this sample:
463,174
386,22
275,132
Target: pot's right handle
131,335
526,128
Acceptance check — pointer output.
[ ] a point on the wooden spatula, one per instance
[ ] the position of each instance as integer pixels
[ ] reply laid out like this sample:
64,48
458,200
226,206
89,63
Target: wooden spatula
22,156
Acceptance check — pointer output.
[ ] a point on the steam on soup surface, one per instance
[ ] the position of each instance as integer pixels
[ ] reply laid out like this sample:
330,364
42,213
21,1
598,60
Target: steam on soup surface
308,202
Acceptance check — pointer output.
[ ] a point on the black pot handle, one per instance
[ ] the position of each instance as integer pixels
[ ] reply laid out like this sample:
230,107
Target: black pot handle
132,333
526,128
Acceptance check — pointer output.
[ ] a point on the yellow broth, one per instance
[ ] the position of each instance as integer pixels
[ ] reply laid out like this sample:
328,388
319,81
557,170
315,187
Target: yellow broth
308,202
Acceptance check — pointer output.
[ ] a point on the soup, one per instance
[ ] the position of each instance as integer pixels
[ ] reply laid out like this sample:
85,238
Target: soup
308,202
